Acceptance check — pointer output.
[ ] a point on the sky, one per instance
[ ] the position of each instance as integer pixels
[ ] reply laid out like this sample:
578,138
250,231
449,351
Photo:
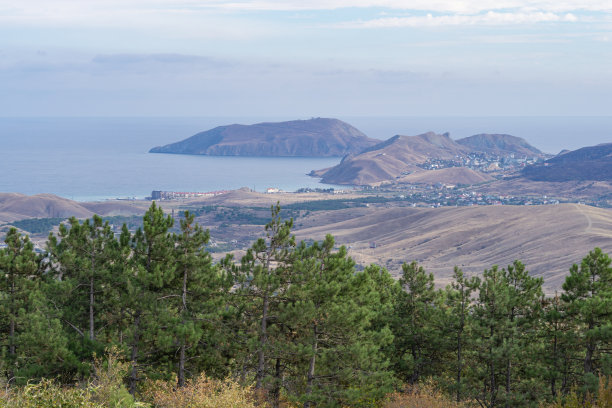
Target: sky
305,58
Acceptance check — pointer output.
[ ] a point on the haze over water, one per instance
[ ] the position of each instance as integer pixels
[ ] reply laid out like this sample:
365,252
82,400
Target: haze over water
103,158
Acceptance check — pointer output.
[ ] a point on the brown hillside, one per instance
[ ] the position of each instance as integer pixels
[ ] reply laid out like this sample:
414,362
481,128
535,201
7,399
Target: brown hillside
500,144
523,186
391,159
14,206
451,175
548,239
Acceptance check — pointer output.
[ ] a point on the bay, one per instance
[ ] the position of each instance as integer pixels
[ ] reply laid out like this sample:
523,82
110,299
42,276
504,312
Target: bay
89,159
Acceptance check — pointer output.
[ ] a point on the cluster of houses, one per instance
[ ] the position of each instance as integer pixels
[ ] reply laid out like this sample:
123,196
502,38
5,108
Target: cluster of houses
180,195
481,162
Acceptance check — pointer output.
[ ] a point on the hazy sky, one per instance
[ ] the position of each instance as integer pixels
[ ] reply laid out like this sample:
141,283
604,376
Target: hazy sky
305,58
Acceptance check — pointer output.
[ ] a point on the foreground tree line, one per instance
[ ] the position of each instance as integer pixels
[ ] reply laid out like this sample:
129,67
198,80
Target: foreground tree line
296,322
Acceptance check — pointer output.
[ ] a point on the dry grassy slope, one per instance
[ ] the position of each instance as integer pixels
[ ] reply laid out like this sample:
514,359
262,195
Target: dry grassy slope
390,159
522,186
245,197
15,207
499,144
548,239
452,175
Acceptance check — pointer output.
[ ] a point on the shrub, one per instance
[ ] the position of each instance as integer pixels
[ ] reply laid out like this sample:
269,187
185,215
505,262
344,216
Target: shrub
422,396
47,394
107,388
603,398
202,392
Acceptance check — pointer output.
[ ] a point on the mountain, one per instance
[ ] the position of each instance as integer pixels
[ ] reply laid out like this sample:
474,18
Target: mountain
592,163
317,137
499,144
392,159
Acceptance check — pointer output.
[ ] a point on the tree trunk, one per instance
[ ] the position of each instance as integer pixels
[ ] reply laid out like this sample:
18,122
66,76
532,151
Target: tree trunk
508,369
311,368
459,344
553,378
91,306
588,359
263,340
181,368
12,350
134,358
492,373
590,350
277,384
459,366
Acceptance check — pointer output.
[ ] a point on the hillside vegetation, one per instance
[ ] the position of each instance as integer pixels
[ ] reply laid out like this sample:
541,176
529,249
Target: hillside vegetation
289,324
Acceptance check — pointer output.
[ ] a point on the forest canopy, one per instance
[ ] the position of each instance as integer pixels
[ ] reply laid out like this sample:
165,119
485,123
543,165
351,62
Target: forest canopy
289,323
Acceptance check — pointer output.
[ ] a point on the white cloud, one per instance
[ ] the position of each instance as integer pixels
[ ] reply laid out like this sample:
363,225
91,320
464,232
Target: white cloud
488,18
69,9
449,6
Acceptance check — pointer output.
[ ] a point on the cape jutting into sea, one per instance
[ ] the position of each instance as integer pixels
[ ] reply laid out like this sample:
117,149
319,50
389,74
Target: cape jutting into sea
88,159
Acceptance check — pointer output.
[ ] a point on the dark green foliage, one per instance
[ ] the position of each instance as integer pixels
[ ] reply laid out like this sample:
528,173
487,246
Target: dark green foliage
416,326
263,278
458,327
318,205
331,311
505,323
149,270
588,293
194,300
33,343
240,217
84,257
37,225
298,321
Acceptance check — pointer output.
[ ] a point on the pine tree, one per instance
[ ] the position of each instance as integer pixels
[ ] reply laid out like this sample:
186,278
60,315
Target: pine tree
150,269
83,257
506,317
19,266
331,311
459,303
491,329
263,279
588,292
558,346
196,300
522,354
415,329
34,342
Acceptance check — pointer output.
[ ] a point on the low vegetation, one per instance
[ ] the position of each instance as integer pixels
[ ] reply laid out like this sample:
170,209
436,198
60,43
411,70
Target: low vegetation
290,324
37,225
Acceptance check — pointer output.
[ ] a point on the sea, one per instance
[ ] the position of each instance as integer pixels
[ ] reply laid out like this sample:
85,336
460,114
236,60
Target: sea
106,158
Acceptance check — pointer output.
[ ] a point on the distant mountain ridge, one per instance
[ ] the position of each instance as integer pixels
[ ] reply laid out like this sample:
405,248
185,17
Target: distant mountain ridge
588,163
400,158
392,158
500,144
317,137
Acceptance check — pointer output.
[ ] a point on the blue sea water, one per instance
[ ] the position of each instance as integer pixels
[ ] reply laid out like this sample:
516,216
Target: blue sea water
103,158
